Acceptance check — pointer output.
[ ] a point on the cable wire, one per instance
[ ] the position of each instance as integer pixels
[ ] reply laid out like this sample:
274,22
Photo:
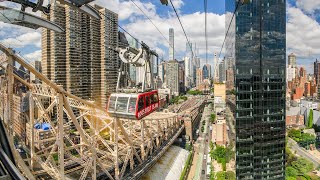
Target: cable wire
185,34
205,28
151,21
225,37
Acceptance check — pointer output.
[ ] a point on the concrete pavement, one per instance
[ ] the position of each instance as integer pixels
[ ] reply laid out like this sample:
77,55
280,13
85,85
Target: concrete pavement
293,145
199,163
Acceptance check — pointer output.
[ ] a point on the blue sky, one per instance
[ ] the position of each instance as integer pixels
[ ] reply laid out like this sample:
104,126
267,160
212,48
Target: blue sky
303,29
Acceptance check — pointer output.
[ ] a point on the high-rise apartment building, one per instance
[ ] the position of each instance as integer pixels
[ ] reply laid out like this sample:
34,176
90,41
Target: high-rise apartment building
188,72
172,76
199,77
171,43
258,34
206,70
292,60
216,68
222,71
80,59
181,76
316,72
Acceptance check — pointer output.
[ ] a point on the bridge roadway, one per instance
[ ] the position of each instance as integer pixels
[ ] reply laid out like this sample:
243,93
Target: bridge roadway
142,169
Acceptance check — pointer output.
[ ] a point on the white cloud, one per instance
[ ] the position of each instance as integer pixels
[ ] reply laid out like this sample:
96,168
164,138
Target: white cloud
303,34
193,25
308,6
127,9
34,56
30,38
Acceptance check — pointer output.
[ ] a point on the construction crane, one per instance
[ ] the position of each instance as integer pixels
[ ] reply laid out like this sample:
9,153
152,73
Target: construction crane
135,103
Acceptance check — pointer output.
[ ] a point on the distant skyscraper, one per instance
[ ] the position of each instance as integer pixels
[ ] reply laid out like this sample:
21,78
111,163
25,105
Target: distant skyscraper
171,47
291,73
162,70
258,35
79,59
181,76
316,67
216,68
222,71
172,76
199,77
292,60
206,70
188,72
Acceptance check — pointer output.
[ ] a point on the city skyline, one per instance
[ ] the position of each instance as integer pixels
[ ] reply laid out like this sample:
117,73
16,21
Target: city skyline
119,92
133,19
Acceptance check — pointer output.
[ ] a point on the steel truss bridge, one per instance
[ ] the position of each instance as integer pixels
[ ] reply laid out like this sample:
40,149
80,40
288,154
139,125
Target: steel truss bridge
84,142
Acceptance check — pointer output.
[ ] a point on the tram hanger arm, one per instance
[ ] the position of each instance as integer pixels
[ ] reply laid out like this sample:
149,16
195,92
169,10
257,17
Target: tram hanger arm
83,6
21,18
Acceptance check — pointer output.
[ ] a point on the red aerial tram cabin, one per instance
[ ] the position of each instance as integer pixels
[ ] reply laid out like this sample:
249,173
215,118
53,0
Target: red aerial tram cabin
133,106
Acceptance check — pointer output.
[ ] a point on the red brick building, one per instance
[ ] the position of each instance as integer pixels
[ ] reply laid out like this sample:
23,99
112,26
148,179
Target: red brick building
294,120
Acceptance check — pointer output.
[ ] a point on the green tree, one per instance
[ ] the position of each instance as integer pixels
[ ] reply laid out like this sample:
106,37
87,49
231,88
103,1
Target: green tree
310,119
290,157
221,175
302,165
292,172
295,134
290,178
230,175
213,118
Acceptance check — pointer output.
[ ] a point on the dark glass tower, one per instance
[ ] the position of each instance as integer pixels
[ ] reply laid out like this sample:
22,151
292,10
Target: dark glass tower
256,45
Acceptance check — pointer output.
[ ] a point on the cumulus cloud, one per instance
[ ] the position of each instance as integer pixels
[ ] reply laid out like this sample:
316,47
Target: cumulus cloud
303,34
309,6
30,38
34,56
127,9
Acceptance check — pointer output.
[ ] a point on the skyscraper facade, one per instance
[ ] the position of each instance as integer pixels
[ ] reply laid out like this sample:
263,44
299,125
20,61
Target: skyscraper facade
188,72
216,68
172,76
222,71
199,75
79,59
206,70
292,60
171,43
258,33
316,72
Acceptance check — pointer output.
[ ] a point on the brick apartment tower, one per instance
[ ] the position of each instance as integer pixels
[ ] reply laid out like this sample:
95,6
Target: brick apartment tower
79,59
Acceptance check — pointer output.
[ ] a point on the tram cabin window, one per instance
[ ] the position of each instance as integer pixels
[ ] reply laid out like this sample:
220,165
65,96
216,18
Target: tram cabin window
132,105
141,103
154,98
112,103
148,102
122,104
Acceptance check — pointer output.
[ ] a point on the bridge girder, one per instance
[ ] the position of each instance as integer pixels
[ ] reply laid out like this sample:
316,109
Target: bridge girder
83,138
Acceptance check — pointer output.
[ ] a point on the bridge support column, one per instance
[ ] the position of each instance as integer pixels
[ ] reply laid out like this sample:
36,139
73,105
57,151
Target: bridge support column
60,135
9,120
31,143
116,152
143,153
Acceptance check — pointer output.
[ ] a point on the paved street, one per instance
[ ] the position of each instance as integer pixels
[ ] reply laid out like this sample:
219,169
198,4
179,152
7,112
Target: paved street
302,152
201,148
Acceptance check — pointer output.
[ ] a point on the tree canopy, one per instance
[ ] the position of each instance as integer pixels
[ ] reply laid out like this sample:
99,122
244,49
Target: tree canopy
302,165
310,119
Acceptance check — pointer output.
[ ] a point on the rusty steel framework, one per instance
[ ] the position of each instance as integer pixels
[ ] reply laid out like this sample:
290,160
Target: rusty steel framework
104,145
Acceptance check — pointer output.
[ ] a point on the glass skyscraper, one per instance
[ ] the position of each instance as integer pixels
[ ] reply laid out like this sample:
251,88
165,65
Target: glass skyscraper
256,43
